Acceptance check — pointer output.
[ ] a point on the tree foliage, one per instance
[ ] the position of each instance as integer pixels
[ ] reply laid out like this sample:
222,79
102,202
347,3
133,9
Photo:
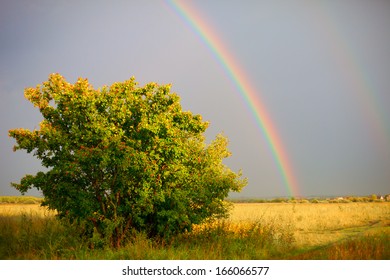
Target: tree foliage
124,158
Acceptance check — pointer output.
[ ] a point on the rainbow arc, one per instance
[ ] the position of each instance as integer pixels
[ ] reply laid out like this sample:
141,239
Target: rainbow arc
247,92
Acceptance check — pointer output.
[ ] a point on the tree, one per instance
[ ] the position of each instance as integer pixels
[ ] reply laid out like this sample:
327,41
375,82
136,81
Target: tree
124,158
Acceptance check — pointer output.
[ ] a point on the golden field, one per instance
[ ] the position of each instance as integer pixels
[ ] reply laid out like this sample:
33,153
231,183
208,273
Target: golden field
317,224
14,210
253,231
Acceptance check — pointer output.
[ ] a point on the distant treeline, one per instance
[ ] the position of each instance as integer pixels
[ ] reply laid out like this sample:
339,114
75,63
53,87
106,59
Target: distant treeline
345,199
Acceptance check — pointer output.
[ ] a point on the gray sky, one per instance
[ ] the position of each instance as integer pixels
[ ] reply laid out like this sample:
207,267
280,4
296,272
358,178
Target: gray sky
321,69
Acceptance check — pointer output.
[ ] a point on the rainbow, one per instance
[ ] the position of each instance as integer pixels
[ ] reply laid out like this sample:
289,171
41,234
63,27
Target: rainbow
244,88
354,73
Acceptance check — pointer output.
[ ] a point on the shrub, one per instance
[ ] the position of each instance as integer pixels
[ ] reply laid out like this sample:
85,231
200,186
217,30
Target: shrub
125,157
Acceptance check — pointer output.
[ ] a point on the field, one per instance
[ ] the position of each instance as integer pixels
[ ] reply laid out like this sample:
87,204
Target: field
253,231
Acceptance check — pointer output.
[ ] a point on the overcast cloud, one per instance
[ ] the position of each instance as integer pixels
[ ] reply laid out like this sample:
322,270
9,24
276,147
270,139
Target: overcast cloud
321,68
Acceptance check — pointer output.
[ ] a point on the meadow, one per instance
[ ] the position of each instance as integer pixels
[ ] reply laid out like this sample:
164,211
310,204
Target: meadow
253,231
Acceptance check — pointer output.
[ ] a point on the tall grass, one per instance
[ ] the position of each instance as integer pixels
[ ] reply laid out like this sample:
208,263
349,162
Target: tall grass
367,247
36,236
264,231
32,236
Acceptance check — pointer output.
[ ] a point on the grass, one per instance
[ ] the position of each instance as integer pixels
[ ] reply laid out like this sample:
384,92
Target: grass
20,200
316,224
254,231
366,247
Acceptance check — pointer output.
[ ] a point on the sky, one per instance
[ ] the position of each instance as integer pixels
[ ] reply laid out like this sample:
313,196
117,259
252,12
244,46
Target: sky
321,70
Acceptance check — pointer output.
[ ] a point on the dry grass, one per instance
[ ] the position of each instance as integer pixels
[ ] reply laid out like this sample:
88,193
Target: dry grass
316,224
254,231
14,210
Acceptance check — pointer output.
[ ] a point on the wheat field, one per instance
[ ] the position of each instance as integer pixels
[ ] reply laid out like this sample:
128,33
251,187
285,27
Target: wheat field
253,231
317,224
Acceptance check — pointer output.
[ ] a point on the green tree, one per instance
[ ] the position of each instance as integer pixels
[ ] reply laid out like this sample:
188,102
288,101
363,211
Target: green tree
124,158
